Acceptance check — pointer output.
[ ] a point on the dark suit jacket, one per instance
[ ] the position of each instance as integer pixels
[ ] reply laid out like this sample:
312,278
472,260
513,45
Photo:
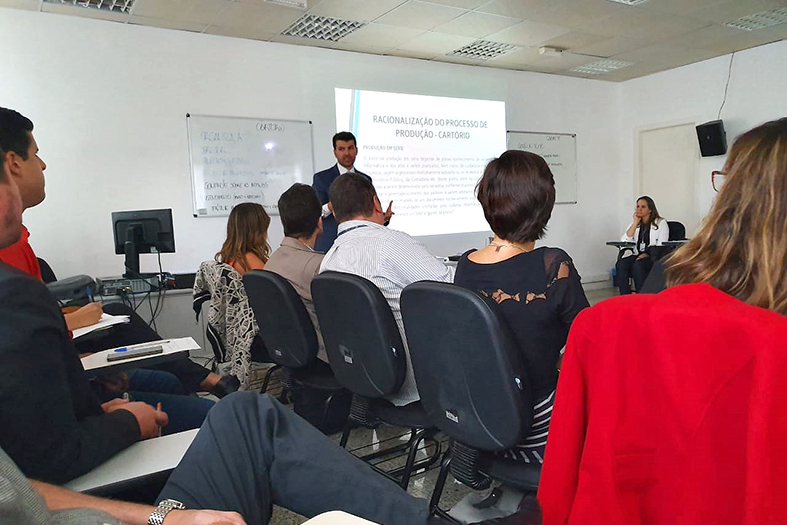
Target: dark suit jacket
321,184
51,422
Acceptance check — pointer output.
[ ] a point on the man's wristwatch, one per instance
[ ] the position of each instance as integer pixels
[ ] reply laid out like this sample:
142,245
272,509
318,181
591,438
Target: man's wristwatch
158,515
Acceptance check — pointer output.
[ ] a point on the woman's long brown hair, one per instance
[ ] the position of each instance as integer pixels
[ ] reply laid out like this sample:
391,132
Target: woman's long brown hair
247,232
741,247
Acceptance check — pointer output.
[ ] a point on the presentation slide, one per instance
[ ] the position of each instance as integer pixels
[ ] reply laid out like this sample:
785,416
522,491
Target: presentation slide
425,154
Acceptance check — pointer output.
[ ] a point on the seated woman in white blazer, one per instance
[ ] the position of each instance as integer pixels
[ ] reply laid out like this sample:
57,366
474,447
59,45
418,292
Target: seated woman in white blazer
648,229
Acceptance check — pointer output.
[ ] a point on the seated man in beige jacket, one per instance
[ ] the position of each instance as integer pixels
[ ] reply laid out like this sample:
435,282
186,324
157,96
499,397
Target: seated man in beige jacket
295,259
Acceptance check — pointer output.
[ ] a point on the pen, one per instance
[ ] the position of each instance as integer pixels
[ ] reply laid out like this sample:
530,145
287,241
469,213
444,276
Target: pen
89,294
158,409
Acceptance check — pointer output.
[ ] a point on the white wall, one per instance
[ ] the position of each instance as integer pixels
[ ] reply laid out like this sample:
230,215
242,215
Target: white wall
109,104
757,93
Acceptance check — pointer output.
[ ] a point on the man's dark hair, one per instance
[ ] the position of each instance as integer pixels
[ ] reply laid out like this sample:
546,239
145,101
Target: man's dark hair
517,193
2,171
352,195
299,210
345,136
14,129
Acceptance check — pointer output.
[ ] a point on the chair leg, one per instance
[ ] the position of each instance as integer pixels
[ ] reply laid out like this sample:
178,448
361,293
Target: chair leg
408,467
445,465
346,433
267,379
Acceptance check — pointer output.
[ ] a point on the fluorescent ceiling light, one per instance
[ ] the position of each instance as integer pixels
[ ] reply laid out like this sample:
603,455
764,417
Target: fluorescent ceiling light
483,50
322,28
760,20
121,6
600,67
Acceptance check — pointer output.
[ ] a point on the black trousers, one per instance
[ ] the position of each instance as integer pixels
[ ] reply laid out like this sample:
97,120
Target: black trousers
252,452
137,331
631,267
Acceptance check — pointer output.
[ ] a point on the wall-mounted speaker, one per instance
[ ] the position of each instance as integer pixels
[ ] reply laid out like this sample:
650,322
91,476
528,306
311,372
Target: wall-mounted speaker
713,138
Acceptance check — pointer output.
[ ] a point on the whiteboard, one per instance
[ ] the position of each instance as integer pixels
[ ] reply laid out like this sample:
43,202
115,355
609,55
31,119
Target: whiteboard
235,160
559,150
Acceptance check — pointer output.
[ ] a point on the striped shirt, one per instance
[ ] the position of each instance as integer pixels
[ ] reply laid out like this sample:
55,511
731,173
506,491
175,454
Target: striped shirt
391,260
531,450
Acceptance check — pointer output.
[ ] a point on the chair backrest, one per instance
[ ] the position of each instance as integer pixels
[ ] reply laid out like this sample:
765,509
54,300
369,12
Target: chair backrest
470,374
677,231
362,340
285,326
47,274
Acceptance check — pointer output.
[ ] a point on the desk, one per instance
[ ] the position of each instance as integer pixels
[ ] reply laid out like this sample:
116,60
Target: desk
141,460
173,349
622,244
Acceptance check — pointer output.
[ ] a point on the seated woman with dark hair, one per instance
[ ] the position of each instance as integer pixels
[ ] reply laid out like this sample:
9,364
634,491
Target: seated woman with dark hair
647,229
686,425
538,290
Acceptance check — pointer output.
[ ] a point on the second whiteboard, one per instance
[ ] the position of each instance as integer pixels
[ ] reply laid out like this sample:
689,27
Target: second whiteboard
559,150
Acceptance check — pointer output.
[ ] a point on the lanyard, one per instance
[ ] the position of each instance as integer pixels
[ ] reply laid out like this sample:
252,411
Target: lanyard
350,229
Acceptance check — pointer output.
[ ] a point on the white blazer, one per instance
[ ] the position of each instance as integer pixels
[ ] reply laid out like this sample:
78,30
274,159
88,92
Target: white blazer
659,234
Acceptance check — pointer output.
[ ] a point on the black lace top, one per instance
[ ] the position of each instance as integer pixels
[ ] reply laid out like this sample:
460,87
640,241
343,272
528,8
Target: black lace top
539,294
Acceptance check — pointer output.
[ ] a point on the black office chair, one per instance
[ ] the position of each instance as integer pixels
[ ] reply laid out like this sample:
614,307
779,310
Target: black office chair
47,274
677,231
473,383
289,334
367,355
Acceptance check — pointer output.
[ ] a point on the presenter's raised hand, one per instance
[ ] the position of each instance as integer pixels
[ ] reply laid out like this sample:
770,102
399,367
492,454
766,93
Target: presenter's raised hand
388,213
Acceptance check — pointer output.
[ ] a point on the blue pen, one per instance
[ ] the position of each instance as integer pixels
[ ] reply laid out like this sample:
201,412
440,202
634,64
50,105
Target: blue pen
89,294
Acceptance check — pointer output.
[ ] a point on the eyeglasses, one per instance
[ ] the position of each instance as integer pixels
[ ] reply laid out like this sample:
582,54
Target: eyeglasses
717,180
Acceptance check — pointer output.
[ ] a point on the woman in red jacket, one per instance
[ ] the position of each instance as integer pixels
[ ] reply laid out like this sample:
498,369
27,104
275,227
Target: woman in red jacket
688,425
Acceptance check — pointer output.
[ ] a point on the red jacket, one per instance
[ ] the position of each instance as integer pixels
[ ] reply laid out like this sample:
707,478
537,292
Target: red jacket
670,409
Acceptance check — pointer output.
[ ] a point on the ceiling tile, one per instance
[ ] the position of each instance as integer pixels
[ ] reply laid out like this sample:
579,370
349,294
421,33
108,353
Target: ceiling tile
240,32
362,48
267,19
200,11
635,22
563,62
73,10
573,13
361,10
634,71
298,41
381,35
454,59
664,53
167,24
437,43
677,7
420,15
527,33
730,10
614,46
524,9
521,57
30,5
309,4
575,40
476,24
411,54
464,4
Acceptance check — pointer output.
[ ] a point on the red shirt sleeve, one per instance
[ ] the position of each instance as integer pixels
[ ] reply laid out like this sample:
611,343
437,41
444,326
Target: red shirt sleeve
21,256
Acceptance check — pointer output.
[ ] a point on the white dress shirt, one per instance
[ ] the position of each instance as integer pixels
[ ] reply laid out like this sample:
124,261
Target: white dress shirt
659,234
391,260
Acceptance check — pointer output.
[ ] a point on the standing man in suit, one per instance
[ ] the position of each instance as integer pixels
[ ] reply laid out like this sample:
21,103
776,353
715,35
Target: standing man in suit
345,150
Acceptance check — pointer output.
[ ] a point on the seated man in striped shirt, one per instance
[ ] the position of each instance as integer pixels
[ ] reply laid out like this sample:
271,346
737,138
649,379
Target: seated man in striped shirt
389,258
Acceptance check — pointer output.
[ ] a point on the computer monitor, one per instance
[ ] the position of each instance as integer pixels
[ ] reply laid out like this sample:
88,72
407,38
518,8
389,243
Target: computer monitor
142,231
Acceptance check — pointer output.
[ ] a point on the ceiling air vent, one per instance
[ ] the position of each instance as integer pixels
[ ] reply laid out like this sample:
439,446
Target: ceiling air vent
760,20
483,50
297,4
600,67
322,28
117,6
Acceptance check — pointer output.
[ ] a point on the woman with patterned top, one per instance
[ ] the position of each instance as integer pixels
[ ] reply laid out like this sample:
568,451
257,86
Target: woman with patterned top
538,290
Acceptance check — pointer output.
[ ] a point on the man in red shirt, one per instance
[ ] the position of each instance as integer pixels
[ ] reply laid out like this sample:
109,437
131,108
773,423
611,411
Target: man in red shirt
27,170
